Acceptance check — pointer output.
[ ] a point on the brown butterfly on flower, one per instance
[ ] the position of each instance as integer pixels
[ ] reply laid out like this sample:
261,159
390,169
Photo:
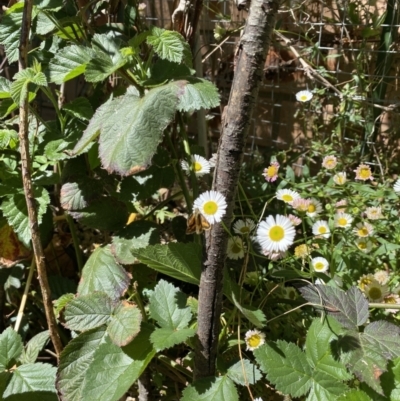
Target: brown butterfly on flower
197,223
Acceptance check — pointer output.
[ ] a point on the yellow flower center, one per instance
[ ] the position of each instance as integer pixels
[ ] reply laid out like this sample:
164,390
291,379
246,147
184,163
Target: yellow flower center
319,266
342,221
362,232
254,341
322,230
375,293
272,171
210,207
197,166
364,173
362,245
276,233
390,300
236,248
311,208
340,179
287,198
245,230
304,98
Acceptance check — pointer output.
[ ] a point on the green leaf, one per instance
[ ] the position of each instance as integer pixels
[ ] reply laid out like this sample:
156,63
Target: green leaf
24,79
10,348
68,63
254,315
168,307
79,108
211,389
78,195
62,302
138,234
349,308
244,372
8,138
114,369
102,273
4,379
44,24
318,348
170,45
34,346
125,323
354,395
10,31
30,378
178,260
324,387
286,367
166,337
5,87
75,360
88,312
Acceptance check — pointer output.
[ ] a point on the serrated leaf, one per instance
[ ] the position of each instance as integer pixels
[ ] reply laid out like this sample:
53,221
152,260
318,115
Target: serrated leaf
8,137
75,360
114,369
44,24
349,308
354,395
325,388
4,379
62,302
102,273
10,348
78,195
30,378
68,63
286,366
244,372
88,311
34,346
168,306
254,315
169,45
383,337
211,389
125,323
23,80
15,210
178,260
138,234
318,348
10,31
79,108
166,337
5,87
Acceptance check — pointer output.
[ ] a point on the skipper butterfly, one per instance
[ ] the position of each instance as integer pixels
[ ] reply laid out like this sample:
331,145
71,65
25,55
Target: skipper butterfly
197,223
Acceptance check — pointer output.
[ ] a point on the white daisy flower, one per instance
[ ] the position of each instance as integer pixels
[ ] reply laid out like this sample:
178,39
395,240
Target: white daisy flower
254,339
374,213
287,195
329,162
301,205
304,96
343,220
396,186
213,160
274,255
294,219
258,399
314,208
321,229
235,248
244,227
319,264
375,292
212,205
364,244
200,165
275,234
364,280
339,178
363,229
381,276
392,299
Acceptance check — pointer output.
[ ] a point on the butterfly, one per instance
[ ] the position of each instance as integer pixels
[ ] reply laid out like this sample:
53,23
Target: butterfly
197,223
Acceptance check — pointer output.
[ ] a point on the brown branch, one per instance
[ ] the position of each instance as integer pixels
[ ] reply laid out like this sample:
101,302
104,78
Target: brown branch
27,182
236,124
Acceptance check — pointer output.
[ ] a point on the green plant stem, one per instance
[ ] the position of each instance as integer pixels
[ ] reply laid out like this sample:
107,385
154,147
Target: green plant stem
53,101
172,364
25,296
241,189
139,302
179,173
78,251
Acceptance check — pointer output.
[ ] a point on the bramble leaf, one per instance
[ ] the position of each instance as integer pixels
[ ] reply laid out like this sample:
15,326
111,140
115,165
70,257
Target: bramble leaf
166,338
211,389
34,346
244,372
10,348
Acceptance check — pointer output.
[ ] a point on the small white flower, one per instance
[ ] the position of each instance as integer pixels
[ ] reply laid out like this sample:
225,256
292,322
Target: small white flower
343,220
296,221
363,229
321,229
374,213
364,244
258,399
375,292
244,227
254,339
235,248
212,205
381,276
396,186
275,234
200,165
287,195
304,96
320,264
329,162
314,208
274,255
339,178
213,160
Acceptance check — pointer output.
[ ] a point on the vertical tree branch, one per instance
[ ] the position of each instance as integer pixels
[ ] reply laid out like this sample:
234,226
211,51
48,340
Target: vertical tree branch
235,127
27,182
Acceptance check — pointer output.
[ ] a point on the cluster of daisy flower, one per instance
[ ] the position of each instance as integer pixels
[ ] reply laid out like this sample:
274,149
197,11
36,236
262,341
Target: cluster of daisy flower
376,288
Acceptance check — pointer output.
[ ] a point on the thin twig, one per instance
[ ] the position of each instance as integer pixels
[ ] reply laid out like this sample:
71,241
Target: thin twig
26,166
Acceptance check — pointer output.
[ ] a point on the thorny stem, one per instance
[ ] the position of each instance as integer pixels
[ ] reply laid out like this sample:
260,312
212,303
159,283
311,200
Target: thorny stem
26,167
